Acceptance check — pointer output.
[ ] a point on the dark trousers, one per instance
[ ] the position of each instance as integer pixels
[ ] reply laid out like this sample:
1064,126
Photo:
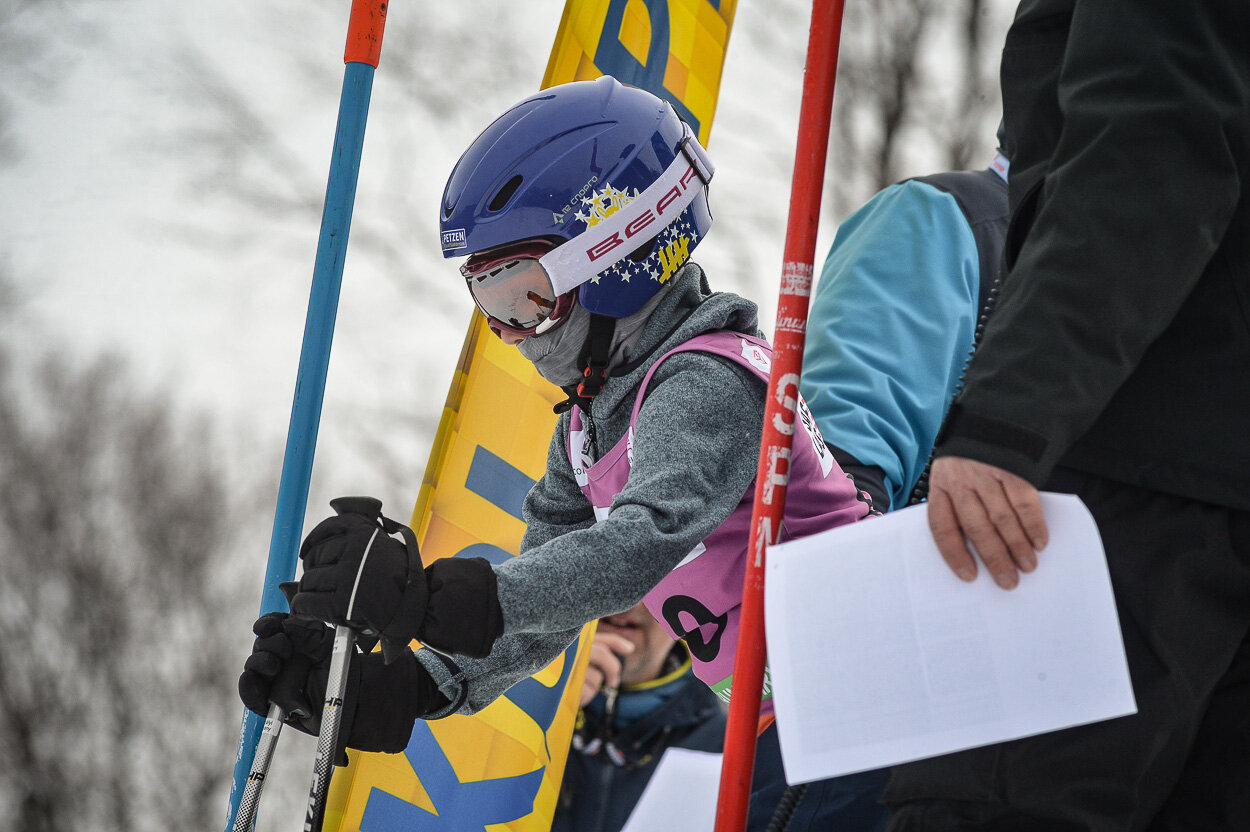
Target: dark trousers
1181,574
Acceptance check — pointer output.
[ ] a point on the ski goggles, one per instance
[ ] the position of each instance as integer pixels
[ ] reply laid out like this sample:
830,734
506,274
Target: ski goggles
526,288
513,290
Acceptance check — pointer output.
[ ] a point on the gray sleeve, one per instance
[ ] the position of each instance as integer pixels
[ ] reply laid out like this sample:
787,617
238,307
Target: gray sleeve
555,505
472,684
696,448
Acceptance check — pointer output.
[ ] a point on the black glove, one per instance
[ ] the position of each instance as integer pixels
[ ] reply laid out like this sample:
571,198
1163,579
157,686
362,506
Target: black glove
463,614
453,606
290,664
387,599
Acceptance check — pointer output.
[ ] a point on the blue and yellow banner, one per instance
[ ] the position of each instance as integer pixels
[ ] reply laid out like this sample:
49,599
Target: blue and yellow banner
501,768
673,48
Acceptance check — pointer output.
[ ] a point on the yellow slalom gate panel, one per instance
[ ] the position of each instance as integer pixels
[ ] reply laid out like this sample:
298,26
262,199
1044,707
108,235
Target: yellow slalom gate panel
500,769
673,48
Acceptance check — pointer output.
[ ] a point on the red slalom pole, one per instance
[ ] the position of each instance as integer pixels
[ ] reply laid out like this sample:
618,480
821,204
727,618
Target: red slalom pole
772,476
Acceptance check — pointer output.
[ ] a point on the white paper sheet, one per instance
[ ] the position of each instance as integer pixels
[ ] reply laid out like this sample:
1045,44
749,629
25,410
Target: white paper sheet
680,795
880,655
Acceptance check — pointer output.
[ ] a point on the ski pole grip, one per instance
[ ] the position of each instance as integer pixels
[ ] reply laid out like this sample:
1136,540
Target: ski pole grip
364,32
370,507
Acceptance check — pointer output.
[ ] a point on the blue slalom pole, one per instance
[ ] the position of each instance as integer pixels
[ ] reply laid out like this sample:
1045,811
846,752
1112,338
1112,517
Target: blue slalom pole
364,43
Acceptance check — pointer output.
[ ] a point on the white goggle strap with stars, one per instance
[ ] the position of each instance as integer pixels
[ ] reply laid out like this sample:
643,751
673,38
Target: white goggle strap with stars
610,241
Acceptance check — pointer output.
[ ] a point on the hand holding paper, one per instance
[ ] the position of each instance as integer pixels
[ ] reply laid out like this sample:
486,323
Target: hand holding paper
997,511
880,655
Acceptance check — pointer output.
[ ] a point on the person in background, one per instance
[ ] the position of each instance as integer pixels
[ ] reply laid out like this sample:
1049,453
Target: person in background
1116,368
901,301
640,698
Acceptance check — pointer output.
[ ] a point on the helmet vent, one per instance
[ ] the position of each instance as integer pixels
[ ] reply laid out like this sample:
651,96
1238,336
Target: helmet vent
505,193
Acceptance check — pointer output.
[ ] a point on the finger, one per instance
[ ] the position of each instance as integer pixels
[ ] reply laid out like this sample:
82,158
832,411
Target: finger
594,676
600,657
317,604
288,689
329,528
277,645
1027,505
264,665
268,624
605,665
615,643
589,691
323,578
949,537
974,519
1002,515
612,673
254,691
592,683
309,638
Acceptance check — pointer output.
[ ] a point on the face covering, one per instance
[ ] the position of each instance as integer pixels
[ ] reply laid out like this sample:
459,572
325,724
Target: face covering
554,354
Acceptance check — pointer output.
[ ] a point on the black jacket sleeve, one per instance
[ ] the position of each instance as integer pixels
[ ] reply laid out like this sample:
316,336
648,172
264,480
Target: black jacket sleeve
1124,117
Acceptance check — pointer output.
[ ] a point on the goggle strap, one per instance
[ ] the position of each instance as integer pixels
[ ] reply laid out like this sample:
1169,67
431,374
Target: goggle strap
697,157
610,241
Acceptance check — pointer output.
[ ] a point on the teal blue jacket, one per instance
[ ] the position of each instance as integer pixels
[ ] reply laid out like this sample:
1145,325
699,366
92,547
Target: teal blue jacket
894,316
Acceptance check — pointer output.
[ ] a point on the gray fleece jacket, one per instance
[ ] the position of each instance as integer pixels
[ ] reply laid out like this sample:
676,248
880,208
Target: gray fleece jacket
696,448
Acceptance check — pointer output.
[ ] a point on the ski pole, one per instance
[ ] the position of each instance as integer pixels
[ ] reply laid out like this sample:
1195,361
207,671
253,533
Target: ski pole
364,43
336,687
331,717
772,475
246,816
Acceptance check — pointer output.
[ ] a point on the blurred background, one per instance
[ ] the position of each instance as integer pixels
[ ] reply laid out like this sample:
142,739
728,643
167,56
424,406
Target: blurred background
162,172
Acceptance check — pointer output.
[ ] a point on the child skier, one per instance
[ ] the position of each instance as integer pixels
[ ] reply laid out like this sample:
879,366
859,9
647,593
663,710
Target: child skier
577,211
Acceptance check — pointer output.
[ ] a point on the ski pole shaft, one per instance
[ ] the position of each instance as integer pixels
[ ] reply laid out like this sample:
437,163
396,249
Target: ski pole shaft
332,709
327,738
364,43
772,476
250,801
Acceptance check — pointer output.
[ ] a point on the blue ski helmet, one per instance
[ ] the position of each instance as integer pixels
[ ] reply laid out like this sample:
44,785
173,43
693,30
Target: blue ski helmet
601,183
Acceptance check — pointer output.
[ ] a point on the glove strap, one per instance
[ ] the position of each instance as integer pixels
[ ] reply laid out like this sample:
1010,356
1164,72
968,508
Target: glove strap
410,613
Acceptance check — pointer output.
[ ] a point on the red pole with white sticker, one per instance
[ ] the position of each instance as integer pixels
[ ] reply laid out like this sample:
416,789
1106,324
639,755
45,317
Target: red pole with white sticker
780,419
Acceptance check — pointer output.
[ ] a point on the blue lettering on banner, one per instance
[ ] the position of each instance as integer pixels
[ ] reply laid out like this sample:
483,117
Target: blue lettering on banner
462,807
540,702
498,482
614,59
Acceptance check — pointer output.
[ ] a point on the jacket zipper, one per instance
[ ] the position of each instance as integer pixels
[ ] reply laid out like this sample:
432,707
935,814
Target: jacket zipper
921,491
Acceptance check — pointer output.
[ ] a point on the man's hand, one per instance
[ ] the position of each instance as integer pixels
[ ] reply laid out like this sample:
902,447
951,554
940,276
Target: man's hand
1000,513
604,670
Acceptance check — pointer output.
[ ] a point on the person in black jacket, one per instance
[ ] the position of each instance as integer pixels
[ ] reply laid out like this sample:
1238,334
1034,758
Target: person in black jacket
1116,367
639,699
